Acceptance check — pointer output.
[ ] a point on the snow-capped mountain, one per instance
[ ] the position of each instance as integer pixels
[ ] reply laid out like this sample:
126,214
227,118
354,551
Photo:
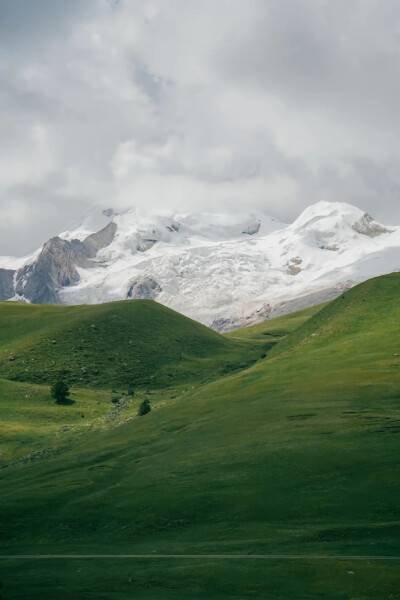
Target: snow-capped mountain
224,271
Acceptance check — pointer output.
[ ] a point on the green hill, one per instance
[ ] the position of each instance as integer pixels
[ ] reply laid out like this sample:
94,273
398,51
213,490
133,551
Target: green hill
276,329
366,314
296,455
135,342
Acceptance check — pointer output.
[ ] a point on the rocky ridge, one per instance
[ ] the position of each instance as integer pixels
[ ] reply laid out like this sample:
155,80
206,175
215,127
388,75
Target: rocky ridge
56,267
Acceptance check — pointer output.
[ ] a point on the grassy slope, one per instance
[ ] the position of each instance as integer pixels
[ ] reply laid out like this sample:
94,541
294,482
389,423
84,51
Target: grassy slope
29,424
298,454
32,427
108,345
275,329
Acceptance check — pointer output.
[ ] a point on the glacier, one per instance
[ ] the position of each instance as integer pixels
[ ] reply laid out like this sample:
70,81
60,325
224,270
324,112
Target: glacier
227,271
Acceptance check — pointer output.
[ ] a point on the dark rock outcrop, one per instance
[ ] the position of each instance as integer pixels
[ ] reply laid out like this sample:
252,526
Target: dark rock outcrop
53,269
253,228
6,284
96,241
367,226
109,212
173,227
145,244
56,266
144,288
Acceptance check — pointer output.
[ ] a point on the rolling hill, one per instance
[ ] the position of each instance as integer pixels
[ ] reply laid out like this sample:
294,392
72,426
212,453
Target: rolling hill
295,455
116,344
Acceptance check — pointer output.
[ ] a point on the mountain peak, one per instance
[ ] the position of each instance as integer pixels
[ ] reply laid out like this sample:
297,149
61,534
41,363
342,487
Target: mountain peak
338,220
209,266
328,210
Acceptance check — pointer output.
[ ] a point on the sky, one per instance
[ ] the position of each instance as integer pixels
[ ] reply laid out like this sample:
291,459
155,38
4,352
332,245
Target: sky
225,105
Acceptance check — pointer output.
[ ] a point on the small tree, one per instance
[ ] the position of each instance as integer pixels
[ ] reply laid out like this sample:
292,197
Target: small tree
131,391
144,407
60,391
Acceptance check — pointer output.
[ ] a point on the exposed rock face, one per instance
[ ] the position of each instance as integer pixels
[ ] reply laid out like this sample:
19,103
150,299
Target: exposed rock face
144,288
109,212
95,242
145,244
331,248
367,226
225,325
6,284
173,227
56,266
253,229
293,266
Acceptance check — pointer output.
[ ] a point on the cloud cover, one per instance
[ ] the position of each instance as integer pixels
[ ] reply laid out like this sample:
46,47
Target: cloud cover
181,104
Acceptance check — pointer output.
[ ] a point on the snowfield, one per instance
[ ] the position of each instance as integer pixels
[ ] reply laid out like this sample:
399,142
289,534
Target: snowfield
225,271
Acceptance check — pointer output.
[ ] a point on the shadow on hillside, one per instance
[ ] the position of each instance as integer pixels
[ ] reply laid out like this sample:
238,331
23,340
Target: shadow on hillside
68,402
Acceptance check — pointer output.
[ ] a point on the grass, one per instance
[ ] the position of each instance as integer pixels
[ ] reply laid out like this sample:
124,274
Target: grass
275,329
114,344
33,427
29,422
296,454
217,580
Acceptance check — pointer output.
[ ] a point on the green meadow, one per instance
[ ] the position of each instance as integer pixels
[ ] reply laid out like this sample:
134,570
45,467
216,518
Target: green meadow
269,465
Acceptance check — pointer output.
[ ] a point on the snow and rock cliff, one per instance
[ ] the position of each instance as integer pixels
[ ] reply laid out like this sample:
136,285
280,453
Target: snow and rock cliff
222,270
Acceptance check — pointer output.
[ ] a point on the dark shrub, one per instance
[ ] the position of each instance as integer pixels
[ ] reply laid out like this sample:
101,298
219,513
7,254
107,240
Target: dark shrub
60,392
144,407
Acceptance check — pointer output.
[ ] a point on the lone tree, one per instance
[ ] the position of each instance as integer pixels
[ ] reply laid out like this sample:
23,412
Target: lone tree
144,407
60,391
131,391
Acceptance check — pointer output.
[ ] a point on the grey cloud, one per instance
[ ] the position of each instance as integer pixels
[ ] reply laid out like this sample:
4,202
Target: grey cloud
31,214
327,55
151,84
187,104
28,23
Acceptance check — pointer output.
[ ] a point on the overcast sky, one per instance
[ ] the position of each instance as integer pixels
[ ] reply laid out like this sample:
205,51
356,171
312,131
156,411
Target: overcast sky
195,104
